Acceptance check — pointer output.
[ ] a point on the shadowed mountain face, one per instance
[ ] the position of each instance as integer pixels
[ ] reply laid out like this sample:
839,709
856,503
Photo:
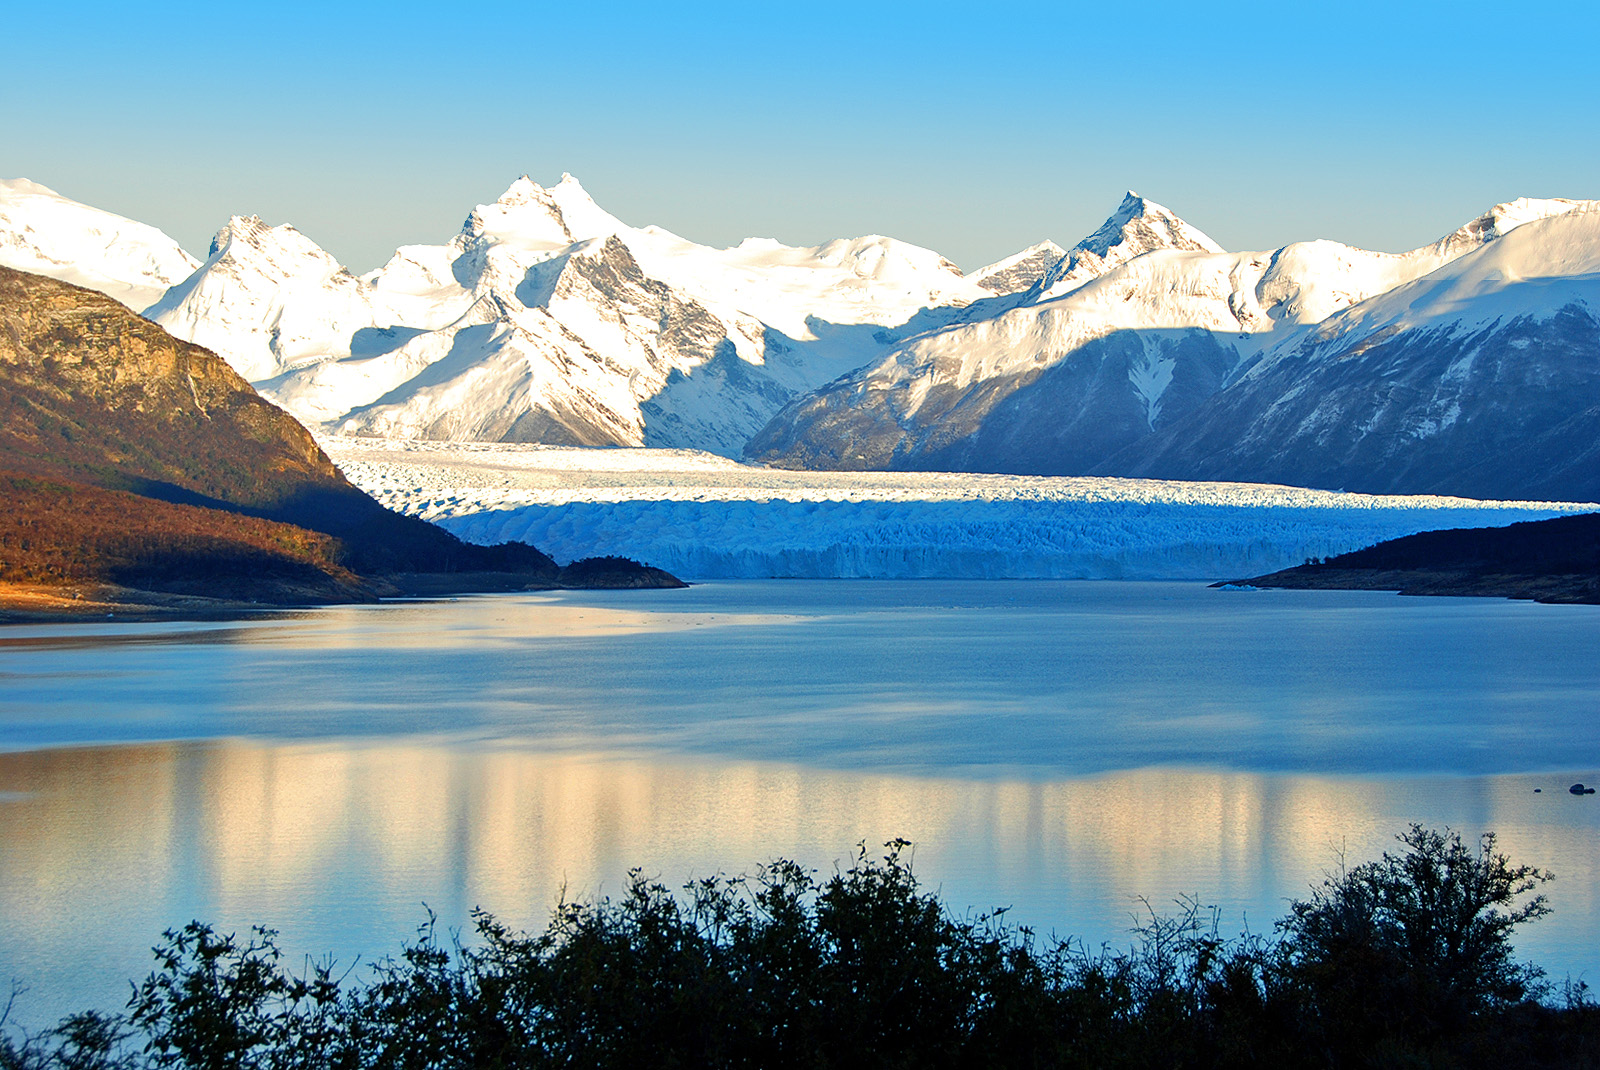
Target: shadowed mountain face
1061,418
1508,410
92,397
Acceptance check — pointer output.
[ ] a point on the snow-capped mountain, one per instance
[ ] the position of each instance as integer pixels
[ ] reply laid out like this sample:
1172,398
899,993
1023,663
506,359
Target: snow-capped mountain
1143,349
548,319
1018,273
48,234
1481,377
1133,329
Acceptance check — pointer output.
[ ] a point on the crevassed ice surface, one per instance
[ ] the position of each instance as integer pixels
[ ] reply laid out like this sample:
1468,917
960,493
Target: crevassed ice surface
701,516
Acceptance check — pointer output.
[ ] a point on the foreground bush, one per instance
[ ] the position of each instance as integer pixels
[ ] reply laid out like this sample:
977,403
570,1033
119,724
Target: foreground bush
1404,961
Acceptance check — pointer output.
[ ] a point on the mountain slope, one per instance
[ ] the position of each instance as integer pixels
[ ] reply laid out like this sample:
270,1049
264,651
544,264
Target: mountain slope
45,233
96,399
547,319
1481,378
1139,325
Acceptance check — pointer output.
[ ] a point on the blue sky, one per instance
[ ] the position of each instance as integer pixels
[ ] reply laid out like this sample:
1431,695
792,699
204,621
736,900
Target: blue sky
971,129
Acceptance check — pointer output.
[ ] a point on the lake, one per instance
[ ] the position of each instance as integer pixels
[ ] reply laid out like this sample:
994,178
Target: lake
1071,750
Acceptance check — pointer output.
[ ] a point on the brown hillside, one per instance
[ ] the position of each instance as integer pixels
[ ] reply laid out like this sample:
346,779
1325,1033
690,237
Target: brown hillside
58,534
94,395
92,391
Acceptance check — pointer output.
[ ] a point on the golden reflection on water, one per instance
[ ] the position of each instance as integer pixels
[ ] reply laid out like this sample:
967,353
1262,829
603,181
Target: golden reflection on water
339,843
423,624
465,623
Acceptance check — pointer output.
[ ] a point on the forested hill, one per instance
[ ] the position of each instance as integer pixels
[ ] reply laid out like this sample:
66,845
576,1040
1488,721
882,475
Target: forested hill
164,449
1554,560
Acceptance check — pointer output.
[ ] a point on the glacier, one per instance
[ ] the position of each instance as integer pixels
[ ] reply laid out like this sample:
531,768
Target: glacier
705,517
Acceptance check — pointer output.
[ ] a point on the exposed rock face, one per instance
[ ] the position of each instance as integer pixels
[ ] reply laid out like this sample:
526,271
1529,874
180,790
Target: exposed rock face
95,393
1061,418
1019,272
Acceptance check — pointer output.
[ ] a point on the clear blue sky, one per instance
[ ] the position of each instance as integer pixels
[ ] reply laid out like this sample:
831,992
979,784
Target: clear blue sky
972,129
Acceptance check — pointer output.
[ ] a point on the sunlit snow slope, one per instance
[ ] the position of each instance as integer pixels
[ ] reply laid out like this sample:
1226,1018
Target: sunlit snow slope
702,517
1137,326
48,234
546,319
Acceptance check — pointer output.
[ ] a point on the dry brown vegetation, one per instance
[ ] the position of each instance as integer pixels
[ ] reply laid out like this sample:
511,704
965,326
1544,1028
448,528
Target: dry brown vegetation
55,533
133,458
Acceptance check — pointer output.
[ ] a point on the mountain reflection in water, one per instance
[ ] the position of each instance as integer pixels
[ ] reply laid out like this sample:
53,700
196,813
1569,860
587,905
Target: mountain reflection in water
339,845
1058,748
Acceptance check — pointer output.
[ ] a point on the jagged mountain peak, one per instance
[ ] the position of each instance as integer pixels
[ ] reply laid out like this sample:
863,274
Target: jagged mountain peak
240,227
249,236
1138,226
1143,224
530,215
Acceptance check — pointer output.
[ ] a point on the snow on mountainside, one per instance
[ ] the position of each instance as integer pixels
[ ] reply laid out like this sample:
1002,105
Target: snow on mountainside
547,319
709,517
1140,324
1138,226
1144,348
1481,377
1018,272
47,234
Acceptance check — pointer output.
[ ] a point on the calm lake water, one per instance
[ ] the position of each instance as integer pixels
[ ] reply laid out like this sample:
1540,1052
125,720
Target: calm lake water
1063,749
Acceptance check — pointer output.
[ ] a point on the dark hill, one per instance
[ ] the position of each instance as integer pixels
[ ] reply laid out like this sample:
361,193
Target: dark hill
103,405
1547,560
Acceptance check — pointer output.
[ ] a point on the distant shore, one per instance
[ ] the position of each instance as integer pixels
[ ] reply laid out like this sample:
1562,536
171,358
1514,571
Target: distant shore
22,603
1559,590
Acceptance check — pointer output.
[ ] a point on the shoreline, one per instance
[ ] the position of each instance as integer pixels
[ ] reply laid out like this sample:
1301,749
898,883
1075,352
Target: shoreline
25,603
1558,589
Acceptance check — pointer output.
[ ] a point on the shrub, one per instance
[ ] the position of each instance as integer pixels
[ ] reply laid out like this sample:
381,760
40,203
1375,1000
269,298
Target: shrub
1401,961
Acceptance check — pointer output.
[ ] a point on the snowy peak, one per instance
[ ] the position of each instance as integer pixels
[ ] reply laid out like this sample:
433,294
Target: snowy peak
1502,219
43,232
532,217
1138,226
266,299
282,251
1533,268
1019,271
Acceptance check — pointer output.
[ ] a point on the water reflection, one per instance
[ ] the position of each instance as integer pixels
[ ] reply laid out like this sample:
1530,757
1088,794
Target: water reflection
339,844
927,678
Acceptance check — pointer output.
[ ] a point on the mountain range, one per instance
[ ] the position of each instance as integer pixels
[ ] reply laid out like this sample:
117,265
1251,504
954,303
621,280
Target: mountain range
1469,366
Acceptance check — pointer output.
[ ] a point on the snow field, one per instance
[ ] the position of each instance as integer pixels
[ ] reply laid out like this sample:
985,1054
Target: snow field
702,516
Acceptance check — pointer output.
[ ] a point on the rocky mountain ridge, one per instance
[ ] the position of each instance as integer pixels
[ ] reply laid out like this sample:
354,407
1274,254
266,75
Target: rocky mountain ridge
546,319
